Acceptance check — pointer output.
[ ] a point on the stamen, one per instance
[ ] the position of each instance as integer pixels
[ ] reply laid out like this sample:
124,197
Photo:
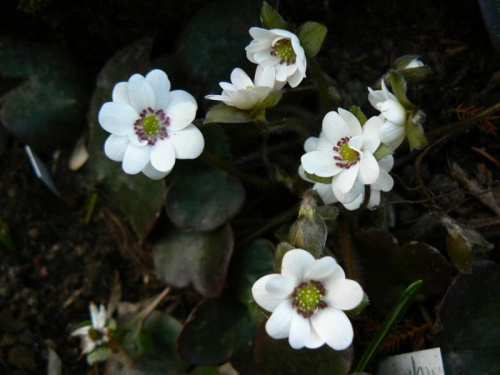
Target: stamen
348,156
307,298
151,126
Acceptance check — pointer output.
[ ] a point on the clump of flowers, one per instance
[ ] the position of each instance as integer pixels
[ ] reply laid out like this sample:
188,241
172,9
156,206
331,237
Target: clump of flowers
96,333
150,125
281,50
307,301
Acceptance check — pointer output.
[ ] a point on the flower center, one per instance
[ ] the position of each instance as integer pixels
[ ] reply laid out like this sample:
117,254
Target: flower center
151,126
284,50
307,298
95,335
348,156
249,87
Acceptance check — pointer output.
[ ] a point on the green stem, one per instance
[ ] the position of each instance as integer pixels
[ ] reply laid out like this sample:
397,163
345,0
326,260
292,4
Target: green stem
90,209
326,101
218,163
464,123
395,315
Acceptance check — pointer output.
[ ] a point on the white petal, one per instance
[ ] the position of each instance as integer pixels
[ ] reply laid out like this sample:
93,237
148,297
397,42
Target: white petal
300,330
296,78
281,72
280,286
160,84
356,142
226,86
240,79
82,331
320,163
153,173
345,180
120,93
356,203
134,139
334,127
349,196
302,174
188,143
259,33
264,57
163,155
117,118
371,136
321,268
101,317
181,109
295,264
393,111
256,46
310,144
278,325
314,341
386,163
88,346
283,33
135,159
94,315
384,182
323,143
344,294
140,93
387,94
115,147
246,99
265,76
216,97
325,191
333,326
375,97
392,135
261,295
368,168
374,199
351,121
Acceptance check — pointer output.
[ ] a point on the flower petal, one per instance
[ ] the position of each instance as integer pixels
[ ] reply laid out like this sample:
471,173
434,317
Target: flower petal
120,93
281,72
325,191
392,135
356,203
351,121
334,127
160,84
371,138
262,296
350,195
280,321
153,173
386,163
321,268
135,159
323,143
300,330
384,182
333,326
374,199
356,142
320,163
265,76
117,118
314,341
345,180
141,93
115,147
295,264
240,79
375,97
181,109
344,294
368,168
163,155
82,331
280,286
246,99
296,78
310,144
259,33
188,143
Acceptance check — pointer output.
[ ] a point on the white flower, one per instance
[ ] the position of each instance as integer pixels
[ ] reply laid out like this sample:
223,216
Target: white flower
280,49
345,152
392,111
415,63
95,334
306,301
150,125
242,93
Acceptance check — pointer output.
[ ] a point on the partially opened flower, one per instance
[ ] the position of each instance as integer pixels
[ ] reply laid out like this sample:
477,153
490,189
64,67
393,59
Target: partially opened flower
415,63
244,94
96,333
150,125
346,154
393,113
280,49
306,301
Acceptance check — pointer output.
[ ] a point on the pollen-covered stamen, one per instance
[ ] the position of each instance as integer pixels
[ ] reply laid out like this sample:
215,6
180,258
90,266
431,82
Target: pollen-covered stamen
307,298
284,50
151,126
348,156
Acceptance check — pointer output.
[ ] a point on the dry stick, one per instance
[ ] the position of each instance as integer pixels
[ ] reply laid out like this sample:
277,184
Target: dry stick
486,155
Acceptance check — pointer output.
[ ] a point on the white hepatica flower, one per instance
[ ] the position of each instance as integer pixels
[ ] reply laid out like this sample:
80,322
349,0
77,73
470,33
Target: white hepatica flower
392,111
95,334
280,49
244,94
306,301
345,152
150,125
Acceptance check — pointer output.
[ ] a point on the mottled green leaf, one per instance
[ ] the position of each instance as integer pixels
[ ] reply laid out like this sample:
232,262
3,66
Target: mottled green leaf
398,86
227,114
197,258
416,74
271,100
356,111
415,132
382,151
99,354
315,178
271,19
311,36
327,212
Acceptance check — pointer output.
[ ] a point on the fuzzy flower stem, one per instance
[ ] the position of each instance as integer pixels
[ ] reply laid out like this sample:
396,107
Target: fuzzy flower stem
218,163
464,123
326,100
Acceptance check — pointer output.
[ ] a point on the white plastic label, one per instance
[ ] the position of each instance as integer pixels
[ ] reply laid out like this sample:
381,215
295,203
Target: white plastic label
424,362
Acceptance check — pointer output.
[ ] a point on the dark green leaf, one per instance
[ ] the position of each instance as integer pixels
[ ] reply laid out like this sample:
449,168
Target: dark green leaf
271,100
216,140
198,258
205,370
315,178
276,357
271,19
356,111
227,114
415,131
398,86
204,199
216,329
382,151
99,354
469,321
164,330
416,74
327,212
311,36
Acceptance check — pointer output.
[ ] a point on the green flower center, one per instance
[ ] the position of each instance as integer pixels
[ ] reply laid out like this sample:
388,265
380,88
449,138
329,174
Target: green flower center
307,298
95,335
249,87
347,156
150,125
284,50
347,153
